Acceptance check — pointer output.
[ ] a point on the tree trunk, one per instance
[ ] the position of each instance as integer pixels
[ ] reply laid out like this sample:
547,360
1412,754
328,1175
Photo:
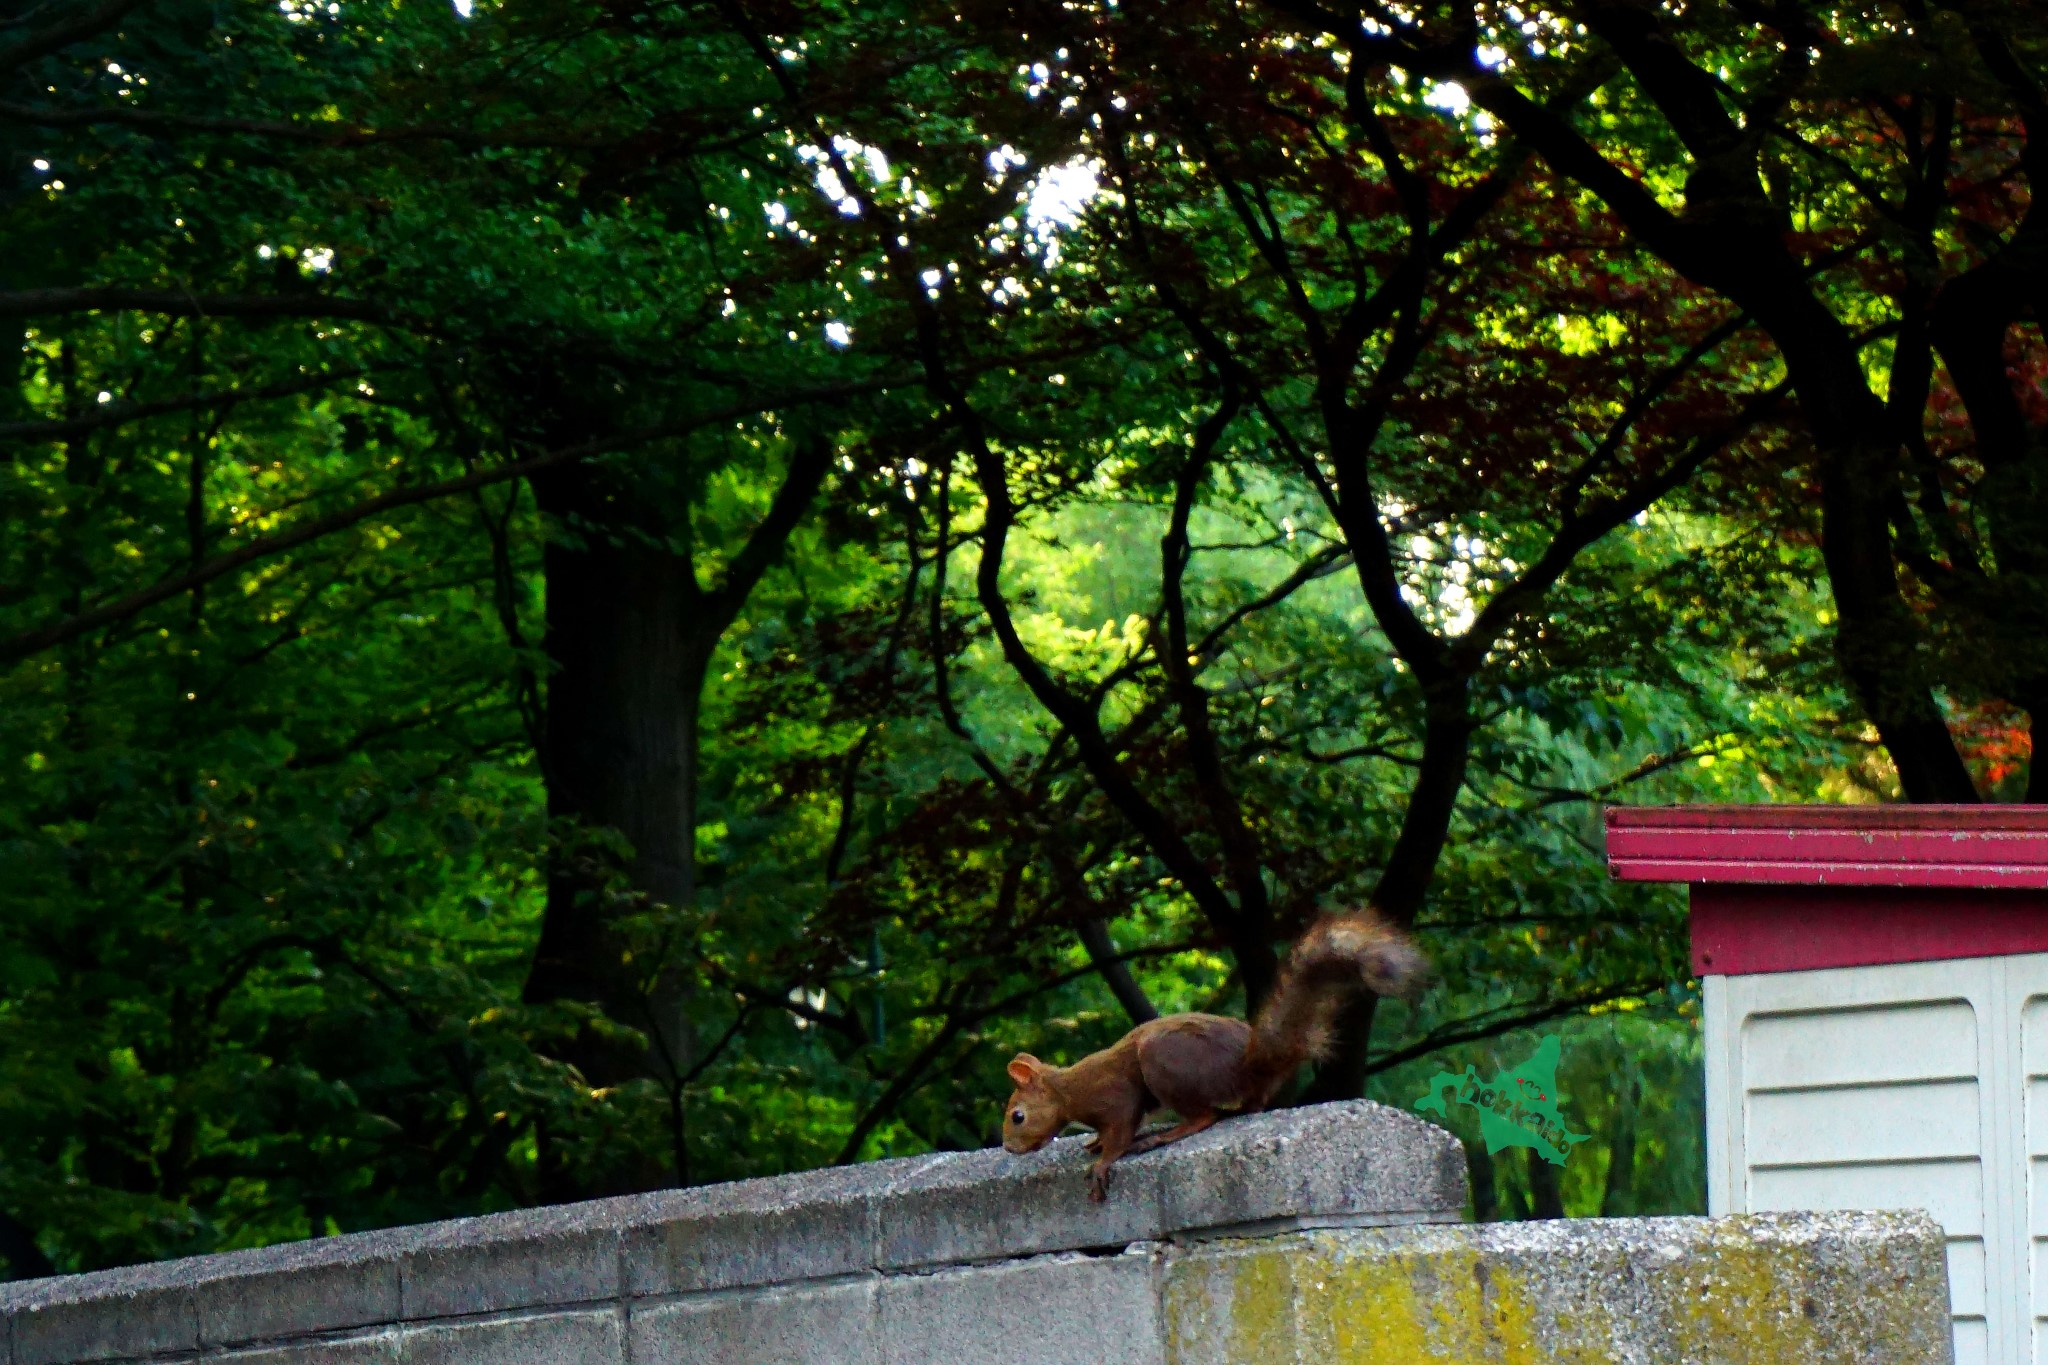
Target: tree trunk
1619,1198
1426,825
620,753
1115,973
1485,1190
1546,1196
630,638
18,1250
1403,883
1877,641
1879,644
1730,238
2036,708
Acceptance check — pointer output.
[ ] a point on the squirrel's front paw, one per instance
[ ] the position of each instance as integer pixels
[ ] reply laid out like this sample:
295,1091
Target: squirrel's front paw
1098,1186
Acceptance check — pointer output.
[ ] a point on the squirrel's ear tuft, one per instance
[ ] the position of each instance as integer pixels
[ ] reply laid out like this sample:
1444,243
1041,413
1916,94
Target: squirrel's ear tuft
1025,1068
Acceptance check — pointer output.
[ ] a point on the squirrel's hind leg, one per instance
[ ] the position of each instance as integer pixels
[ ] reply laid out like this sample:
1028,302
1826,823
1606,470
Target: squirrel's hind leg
1187,1128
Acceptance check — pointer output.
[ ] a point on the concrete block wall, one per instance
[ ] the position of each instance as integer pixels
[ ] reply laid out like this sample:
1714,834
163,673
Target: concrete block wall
1246,1243
1759,1289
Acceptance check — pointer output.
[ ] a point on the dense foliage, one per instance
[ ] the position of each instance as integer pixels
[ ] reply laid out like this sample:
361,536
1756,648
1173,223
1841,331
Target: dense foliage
605,593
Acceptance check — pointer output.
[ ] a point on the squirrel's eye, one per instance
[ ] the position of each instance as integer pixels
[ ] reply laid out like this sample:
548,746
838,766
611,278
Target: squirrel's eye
1016,1116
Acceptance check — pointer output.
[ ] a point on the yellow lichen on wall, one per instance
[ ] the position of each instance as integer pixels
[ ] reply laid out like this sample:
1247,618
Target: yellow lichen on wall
1741,1304
1234,1302
1445,1305
1594,1293
1446,1309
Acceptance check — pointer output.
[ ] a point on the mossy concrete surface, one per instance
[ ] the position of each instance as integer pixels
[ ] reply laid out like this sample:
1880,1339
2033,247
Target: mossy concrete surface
1784,1289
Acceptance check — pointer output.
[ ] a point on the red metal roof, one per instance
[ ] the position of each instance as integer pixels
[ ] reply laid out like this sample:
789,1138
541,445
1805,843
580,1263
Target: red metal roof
1951,846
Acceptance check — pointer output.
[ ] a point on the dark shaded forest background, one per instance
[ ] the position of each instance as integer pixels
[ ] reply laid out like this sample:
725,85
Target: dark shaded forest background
597,594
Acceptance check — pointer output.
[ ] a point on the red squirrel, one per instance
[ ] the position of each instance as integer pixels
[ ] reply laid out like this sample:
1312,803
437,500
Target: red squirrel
1198,1064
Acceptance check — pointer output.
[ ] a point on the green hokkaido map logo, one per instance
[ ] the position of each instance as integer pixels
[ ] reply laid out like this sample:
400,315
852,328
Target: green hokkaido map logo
1517,1108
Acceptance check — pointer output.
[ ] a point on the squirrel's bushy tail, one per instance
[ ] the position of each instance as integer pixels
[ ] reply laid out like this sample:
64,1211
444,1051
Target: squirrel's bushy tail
1326,967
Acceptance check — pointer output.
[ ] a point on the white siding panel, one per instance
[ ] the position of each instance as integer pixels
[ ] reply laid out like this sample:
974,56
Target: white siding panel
1952,1191
2039,1287
2034,1029
1721,1048
1863,1123
2037,1196
1973,1342
1918,1041
2034,1056
1900,1086
1966,1276
2037,1118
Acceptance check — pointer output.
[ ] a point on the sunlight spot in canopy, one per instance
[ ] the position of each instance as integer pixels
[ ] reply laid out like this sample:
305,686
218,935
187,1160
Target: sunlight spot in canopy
1061,193
463,8
829,181
838,334
1441,593
1448,96
814,1000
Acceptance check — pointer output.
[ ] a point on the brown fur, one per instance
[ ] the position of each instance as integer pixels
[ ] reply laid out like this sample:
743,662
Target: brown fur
1200,1064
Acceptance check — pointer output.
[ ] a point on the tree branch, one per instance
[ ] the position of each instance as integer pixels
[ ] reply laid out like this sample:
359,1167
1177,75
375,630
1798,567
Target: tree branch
317,132
1639,403
808,464
23,303
900,1088
1493,1023
30,642
120,414
65,32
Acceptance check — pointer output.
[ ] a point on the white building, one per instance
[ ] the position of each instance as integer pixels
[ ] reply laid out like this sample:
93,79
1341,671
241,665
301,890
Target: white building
1875,982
